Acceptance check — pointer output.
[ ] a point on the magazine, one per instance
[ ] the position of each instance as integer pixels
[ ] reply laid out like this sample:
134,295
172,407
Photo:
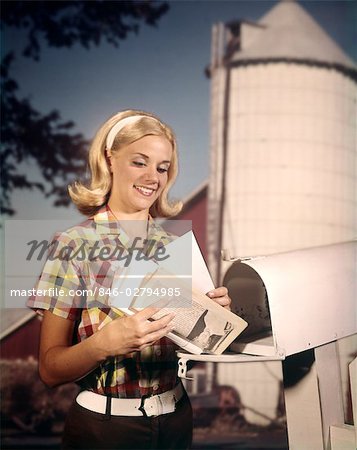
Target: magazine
200,324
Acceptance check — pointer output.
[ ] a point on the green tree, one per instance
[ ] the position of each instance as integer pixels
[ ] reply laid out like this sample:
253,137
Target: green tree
47,139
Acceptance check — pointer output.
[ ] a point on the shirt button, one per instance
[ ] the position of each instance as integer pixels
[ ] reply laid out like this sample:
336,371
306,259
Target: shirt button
158,352
155,387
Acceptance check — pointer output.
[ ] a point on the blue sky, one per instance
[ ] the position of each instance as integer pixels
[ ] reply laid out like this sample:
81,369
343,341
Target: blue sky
161,70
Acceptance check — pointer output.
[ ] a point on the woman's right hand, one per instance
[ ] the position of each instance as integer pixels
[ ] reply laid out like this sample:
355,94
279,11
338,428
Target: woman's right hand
60,361
132,333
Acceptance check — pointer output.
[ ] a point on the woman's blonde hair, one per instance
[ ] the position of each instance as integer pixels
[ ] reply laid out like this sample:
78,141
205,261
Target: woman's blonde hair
90,199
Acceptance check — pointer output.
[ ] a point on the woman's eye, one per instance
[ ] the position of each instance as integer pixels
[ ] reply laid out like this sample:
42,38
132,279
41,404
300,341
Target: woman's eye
138,163
162,169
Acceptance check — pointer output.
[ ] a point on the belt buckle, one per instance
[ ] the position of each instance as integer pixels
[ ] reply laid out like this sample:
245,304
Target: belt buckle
142,405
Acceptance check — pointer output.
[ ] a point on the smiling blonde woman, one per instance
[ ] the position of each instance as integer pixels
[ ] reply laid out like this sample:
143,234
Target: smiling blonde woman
131,397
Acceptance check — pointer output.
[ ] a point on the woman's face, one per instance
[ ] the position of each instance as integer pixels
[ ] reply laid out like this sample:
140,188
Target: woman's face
139,175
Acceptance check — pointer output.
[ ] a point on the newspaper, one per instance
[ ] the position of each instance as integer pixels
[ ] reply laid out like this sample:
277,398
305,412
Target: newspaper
200,324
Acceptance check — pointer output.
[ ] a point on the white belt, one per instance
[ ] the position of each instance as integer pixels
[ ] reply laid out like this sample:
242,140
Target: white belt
148,406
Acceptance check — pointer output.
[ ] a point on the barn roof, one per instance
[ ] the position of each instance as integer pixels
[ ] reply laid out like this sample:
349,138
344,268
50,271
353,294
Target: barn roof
12,319
193,197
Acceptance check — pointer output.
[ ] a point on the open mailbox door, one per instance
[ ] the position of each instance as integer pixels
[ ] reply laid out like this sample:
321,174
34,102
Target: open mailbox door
296,300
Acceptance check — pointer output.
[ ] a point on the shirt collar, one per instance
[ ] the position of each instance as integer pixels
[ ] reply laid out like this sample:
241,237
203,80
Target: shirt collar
107,224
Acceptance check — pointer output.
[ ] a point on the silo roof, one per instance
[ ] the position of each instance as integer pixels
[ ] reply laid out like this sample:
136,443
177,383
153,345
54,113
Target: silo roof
289,32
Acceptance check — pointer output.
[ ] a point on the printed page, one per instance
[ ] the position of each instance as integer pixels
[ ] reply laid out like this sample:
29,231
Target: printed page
200,324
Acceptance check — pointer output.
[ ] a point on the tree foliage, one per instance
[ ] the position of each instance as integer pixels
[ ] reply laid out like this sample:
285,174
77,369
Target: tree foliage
28,135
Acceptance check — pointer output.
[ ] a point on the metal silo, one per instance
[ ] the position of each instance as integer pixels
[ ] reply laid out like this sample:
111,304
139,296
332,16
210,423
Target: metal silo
283,153
283,137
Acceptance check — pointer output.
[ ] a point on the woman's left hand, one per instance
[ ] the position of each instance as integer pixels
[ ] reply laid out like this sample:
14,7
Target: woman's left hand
220,296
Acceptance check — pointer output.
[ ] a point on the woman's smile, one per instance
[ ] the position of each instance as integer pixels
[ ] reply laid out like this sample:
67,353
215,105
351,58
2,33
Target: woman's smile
144,190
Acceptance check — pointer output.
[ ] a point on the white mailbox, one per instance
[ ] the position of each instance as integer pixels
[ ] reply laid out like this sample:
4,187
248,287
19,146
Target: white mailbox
296,300
292,302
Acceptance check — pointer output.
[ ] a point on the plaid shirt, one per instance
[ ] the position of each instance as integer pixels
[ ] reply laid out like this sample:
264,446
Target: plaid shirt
79,275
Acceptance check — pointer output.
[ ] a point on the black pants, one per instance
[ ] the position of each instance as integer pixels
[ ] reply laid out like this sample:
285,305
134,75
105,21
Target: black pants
89,430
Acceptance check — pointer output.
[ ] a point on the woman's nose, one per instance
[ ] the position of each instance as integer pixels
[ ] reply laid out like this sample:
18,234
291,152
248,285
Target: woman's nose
151,173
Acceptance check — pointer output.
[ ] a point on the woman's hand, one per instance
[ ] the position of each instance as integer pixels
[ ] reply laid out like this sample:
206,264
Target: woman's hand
60,361
133,333
220,296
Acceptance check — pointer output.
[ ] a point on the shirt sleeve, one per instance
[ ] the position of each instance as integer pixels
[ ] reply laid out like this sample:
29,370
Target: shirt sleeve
60,288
